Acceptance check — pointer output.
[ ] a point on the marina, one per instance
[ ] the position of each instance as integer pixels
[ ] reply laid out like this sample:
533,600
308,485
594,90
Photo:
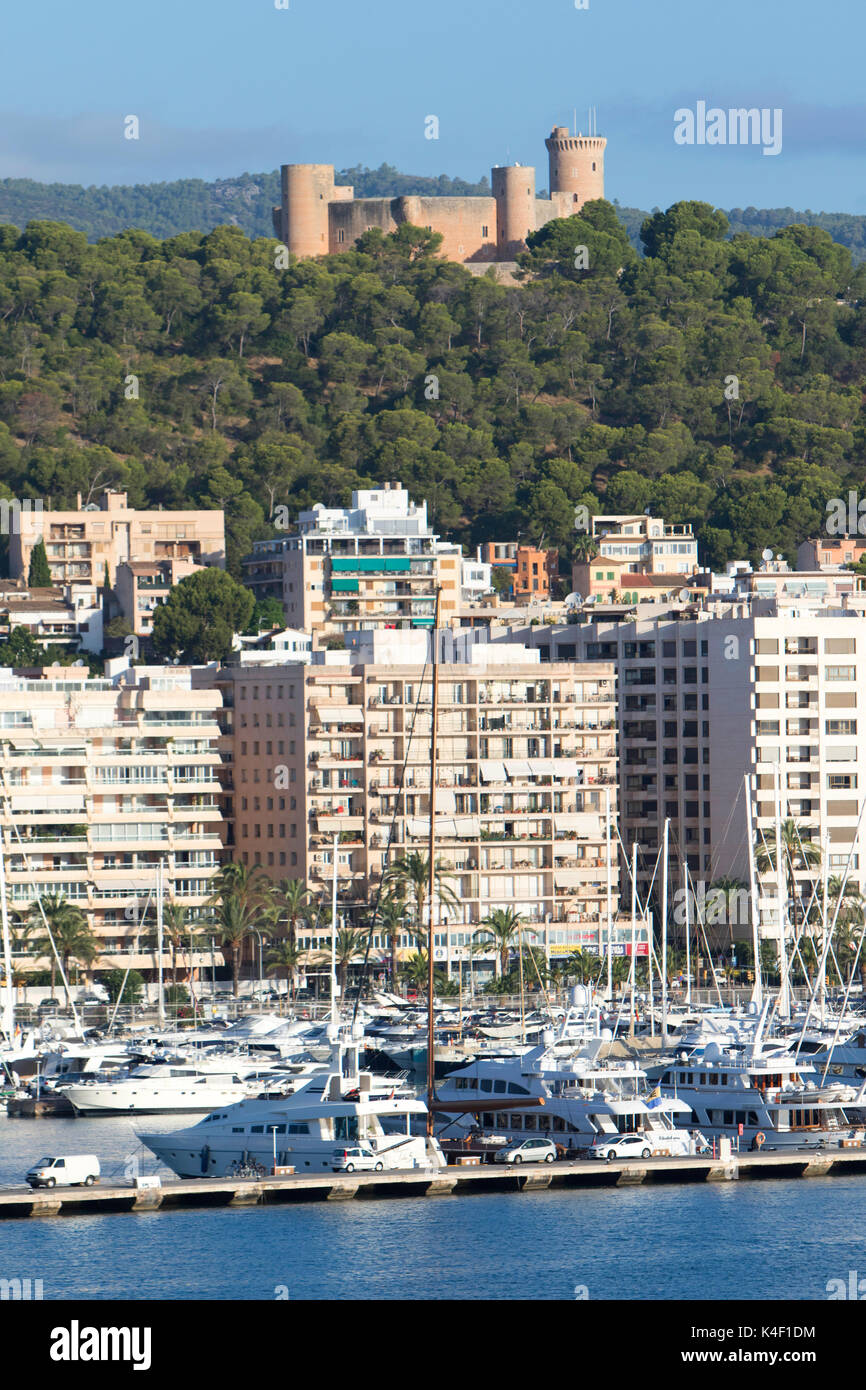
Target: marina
205,1194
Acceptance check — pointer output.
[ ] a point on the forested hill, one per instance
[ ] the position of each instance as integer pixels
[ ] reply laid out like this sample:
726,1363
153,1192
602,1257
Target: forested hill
717,381
192,205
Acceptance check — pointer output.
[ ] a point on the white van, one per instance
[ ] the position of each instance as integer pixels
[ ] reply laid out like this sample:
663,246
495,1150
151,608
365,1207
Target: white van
72,1170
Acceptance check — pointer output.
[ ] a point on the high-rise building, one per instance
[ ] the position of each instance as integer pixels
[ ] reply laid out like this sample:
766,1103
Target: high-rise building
101,781
706,696
376,563
527,760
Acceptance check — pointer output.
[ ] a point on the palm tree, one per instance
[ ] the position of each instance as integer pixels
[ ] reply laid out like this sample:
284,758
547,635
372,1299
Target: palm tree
285,955
234,926
73,939
585,547
347,949
581,965
410,877
414,971
799,851
389,920
501,930
176,929
290,897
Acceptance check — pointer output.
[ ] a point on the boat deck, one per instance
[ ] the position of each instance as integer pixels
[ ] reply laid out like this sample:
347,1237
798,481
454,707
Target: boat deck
455,1180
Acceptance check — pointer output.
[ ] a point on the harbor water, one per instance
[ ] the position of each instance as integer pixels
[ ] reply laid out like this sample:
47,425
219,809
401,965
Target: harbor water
758,1240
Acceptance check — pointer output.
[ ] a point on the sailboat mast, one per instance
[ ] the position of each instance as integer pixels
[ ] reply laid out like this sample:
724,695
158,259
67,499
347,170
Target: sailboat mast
609,898
334,1010
160,998
688,935
784,1004
664,968
7,1015
431,851
753,896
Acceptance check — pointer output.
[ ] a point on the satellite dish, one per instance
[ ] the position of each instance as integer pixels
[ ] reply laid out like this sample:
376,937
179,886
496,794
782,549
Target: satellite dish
685,594
767,554
574,600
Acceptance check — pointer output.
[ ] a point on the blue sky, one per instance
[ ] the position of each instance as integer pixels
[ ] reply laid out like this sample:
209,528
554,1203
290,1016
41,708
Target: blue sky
222,86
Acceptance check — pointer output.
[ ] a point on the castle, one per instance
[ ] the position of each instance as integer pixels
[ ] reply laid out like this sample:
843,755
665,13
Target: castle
316,217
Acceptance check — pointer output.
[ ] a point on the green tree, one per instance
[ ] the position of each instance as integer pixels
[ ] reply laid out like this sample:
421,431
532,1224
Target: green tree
201,616
39,572
500,931
72,937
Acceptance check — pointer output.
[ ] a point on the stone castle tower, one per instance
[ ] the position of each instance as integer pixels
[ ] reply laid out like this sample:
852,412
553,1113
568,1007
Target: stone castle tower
317,217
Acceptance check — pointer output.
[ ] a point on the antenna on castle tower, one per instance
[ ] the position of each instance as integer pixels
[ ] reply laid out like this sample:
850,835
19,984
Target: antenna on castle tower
575,120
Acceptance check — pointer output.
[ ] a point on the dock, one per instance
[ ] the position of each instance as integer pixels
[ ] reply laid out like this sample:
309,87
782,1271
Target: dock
454,1180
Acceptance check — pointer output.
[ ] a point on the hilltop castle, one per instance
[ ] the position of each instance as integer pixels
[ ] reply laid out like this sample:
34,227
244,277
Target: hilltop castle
316,217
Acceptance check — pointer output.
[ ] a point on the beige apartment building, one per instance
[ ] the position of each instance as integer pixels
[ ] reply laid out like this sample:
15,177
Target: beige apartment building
527,769
140,586
100,782
375,564
80,543
706,696
631,548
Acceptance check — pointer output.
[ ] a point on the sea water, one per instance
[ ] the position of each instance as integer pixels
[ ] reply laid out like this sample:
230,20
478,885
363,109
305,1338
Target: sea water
779,1239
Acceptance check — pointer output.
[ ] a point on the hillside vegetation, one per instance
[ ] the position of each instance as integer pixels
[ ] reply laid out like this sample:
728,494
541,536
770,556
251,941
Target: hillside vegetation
246,200
194,372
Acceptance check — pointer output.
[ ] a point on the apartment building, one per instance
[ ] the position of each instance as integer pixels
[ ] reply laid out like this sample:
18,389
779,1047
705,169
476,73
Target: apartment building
630,546
707,696
70,616
829,552
80,543
375,564
100,782
527,767
140,586
537,570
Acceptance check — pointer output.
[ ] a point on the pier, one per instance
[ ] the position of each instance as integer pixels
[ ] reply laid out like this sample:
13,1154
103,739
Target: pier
454,1180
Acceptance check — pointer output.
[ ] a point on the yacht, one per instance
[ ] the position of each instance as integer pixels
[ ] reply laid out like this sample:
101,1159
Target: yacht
167,1088
764,1097
566,1092
308,1129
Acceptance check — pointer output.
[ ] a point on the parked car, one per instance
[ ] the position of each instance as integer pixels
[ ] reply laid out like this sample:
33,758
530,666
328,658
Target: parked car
528,1151
359,1158
621,1146
71,1170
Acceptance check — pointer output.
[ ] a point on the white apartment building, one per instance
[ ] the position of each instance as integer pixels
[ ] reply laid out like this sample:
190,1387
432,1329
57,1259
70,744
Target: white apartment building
527,760
376,563
100,782
744,688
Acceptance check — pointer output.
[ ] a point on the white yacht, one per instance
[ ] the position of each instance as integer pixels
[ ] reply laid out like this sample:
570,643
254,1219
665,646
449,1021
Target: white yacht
167,1088
564,1091
308,1129
764,1097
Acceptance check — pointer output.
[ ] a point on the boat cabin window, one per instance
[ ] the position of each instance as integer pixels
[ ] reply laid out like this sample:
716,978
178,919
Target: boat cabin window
558,1123
486,1084
515,1090
299,1129
517,1122
257,1129
237,1129
529,1121
499,1087
487,1119
346,1127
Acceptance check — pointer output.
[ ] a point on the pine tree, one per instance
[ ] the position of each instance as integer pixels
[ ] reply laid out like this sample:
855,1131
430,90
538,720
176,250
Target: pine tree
39,575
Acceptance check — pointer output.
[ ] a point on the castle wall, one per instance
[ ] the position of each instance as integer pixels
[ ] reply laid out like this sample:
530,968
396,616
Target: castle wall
468,225
576,165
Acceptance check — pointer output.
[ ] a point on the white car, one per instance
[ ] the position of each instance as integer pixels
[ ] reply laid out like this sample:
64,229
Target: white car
359,1158
529,1151
73,1170
621,1146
